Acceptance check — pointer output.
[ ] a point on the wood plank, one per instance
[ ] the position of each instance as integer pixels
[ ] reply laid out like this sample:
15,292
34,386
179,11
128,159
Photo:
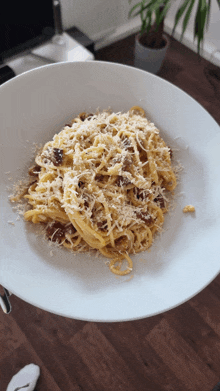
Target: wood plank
179,356
16,352
206,303
107,367
215,286
49,336
197,333
129,339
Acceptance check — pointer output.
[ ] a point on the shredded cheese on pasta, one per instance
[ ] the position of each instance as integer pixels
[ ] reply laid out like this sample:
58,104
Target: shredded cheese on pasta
101,183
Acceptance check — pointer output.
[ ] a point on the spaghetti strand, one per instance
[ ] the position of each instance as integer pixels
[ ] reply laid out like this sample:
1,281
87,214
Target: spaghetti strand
100,184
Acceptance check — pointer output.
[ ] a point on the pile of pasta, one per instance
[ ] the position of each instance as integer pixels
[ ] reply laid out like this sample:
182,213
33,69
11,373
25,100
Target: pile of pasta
102,183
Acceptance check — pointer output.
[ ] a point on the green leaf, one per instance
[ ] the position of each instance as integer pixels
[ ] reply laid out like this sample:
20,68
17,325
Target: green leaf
149,21
165,10
162,11
143,19
179,13
199,25
157,14
143,27
208,13
187,17
146,23
133,9
142,15
153,5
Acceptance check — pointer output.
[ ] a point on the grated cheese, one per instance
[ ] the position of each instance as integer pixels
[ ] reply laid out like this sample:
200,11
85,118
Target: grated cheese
126,151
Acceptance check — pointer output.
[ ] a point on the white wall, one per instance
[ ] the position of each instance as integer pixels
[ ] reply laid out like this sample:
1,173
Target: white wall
96,18
106,21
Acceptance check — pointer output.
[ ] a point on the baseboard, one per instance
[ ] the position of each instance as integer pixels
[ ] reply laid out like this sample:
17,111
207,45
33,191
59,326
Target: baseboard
209,50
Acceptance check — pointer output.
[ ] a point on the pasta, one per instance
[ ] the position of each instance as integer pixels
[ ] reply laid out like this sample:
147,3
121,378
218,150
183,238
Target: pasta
189,208
102,183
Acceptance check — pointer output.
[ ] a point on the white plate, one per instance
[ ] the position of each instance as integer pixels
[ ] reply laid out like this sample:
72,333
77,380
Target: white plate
185,259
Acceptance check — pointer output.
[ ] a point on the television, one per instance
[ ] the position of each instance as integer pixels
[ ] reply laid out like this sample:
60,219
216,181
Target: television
24,25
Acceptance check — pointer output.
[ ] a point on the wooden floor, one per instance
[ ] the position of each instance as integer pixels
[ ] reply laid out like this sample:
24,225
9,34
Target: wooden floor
176,351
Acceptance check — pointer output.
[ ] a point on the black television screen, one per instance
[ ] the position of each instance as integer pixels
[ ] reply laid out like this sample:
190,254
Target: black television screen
24,24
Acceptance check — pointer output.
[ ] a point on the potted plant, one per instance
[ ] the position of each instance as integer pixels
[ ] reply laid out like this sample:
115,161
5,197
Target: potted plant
151,43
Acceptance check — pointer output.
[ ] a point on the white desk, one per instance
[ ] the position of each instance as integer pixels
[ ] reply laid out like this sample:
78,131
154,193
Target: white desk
60,48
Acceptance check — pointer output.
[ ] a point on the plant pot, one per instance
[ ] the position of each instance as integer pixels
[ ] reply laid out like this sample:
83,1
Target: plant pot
149,59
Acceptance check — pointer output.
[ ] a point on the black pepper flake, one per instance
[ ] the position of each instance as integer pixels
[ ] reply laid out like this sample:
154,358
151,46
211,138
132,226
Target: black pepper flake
57,156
